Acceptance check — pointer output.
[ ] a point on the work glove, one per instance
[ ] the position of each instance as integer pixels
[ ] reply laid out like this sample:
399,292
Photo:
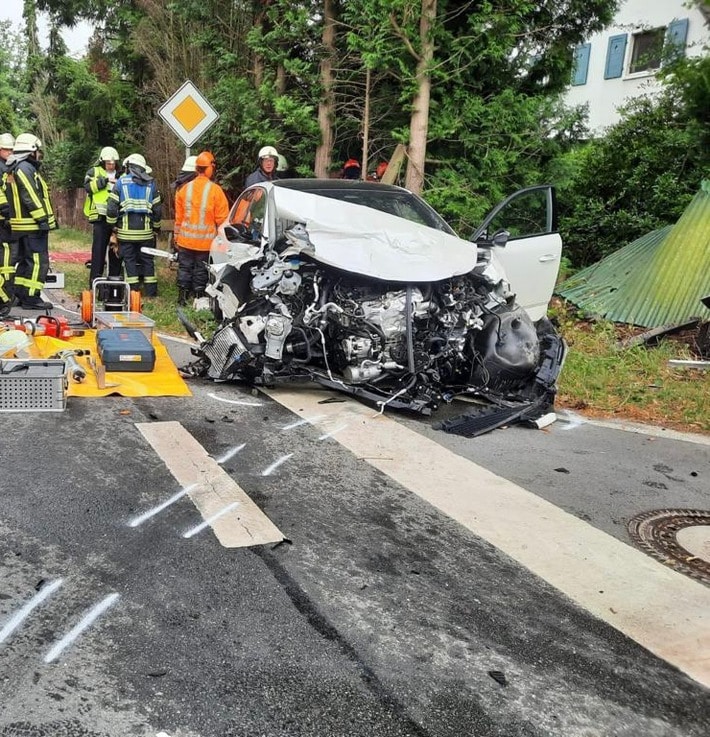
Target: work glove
5,211
43,224
101,182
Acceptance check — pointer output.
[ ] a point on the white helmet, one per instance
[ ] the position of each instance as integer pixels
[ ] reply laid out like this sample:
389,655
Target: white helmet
190,164
137,160
268,151
7,141
108,153
283,163
26,143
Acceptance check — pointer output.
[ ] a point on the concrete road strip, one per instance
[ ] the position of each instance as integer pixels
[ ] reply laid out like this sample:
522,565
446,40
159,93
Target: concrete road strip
666,612
210,487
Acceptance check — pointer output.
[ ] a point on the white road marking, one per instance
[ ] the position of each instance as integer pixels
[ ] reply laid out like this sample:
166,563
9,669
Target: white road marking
198,528
209,486
17,619
160,507
332,432
664,611
299,423
234,401
270,469
86,621
231,453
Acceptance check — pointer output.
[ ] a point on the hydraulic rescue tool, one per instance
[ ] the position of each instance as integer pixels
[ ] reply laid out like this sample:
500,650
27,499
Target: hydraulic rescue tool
74,368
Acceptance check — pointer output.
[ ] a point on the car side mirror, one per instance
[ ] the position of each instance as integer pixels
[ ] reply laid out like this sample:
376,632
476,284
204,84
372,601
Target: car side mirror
499,238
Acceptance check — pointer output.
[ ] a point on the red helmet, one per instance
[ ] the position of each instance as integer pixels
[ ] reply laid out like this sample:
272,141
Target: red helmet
351,164
381,169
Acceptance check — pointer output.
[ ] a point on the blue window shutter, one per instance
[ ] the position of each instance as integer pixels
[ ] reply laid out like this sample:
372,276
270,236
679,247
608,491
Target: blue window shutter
676,36
580,65
615,53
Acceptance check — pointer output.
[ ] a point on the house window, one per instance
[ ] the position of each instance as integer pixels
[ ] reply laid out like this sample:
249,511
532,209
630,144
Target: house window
647,50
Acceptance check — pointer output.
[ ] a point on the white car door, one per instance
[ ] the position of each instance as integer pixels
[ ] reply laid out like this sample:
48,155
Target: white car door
530,260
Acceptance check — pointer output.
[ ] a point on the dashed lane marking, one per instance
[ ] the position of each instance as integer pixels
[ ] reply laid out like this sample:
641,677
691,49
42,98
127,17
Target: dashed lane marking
664,611
210,487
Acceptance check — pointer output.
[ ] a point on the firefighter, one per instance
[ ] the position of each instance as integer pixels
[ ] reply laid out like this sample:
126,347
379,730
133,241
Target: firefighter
31,219
266,171
200,207
98,183
187,173
8,246
134,209
351,169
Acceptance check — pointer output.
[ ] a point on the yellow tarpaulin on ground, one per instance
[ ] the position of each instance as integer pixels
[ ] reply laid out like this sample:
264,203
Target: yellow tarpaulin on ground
163,381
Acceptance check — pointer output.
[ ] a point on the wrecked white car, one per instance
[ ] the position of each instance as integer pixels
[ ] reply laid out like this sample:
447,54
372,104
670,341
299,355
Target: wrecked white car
362,287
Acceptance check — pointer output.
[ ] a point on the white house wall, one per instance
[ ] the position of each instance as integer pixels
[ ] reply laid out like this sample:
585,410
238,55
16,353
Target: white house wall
604,96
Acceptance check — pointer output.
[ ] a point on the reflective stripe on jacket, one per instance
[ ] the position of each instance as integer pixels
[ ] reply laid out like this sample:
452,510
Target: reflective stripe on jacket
200,207
96,197
135,206
29,198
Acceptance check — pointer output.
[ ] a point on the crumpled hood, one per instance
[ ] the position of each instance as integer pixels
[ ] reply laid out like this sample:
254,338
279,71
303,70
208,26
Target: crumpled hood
364,241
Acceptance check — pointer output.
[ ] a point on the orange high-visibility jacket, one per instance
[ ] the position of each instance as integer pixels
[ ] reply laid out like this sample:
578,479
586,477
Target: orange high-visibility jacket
200,206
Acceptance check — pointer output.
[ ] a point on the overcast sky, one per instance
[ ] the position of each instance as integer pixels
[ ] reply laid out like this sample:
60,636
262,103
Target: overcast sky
75,38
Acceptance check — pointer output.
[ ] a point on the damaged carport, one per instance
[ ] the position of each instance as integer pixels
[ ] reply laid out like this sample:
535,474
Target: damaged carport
659,280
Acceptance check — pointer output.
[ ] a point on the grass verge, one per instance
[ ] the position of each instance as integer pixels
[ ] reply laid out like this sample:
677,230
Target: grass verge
162,309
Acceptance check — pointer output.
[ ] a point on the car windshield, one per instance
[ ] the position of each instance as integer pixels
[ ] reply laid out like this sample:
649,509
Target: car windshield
396,202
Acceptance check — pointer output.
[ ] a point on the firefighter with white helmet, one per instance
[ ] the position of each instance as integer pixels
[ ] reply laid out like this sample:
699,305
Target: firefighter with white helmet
266,171
135,209
187,173
31,219
99,181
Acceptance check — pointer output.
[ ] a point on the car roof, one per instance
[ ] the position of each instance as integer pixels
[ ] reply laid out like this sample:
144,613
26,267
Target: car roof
325,185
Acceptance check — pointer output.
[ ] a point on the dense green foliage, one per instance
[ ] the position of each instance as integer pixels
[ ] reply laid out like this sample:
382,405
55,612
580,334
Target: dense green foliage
495,122
641,175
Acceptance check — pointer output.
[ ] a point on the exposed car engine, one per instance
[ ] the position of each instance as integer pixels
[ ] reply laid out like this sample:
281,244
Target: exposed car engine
287,317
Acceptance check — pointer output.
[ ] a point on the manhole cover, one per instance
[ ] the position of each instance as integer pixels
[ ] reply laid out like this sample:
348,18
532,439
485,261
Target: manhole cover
680,538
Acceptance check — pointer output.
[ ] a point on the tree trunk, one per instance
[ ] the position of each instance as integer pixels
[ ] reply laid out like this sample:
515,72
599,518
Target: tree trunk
419,120
366,123
326,106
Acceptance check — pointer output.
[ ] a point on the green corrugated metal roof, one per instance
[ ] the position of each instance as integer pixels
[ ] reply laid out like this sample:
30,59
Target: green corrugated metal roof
655,280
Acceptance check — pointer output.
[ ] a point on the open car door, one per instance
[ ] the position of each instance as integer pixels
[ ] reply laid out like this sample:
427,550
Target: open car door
531,258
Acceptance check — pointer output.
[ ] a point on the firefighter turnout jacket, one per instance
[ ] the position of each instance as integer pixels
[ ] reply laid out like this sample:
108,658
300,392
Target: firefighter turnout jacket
98,185
200,207
28,193
135,207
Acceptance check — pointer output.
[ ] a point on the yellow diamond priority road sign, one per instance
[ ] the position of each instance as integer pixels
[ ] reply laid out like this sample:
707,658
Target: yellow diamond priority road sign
188,113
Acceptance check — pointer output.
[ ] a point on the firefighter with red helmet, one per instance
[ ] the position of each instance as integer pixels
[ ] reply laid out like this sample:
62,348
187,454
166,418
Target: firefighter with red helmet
351,169
200,207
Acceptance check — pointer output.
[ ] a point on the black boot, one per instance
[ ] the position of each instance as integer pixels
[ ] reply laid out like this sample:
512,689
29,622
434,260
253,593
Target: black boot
183,296
5,308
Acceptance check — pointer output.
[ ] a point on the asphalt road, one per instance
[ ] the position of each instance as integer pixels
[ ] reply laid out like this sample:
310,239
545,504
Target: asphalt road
397,602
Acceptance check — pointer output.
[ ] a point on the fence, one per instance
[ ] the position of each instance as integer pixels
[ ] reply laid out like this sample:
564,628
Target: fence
69,208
